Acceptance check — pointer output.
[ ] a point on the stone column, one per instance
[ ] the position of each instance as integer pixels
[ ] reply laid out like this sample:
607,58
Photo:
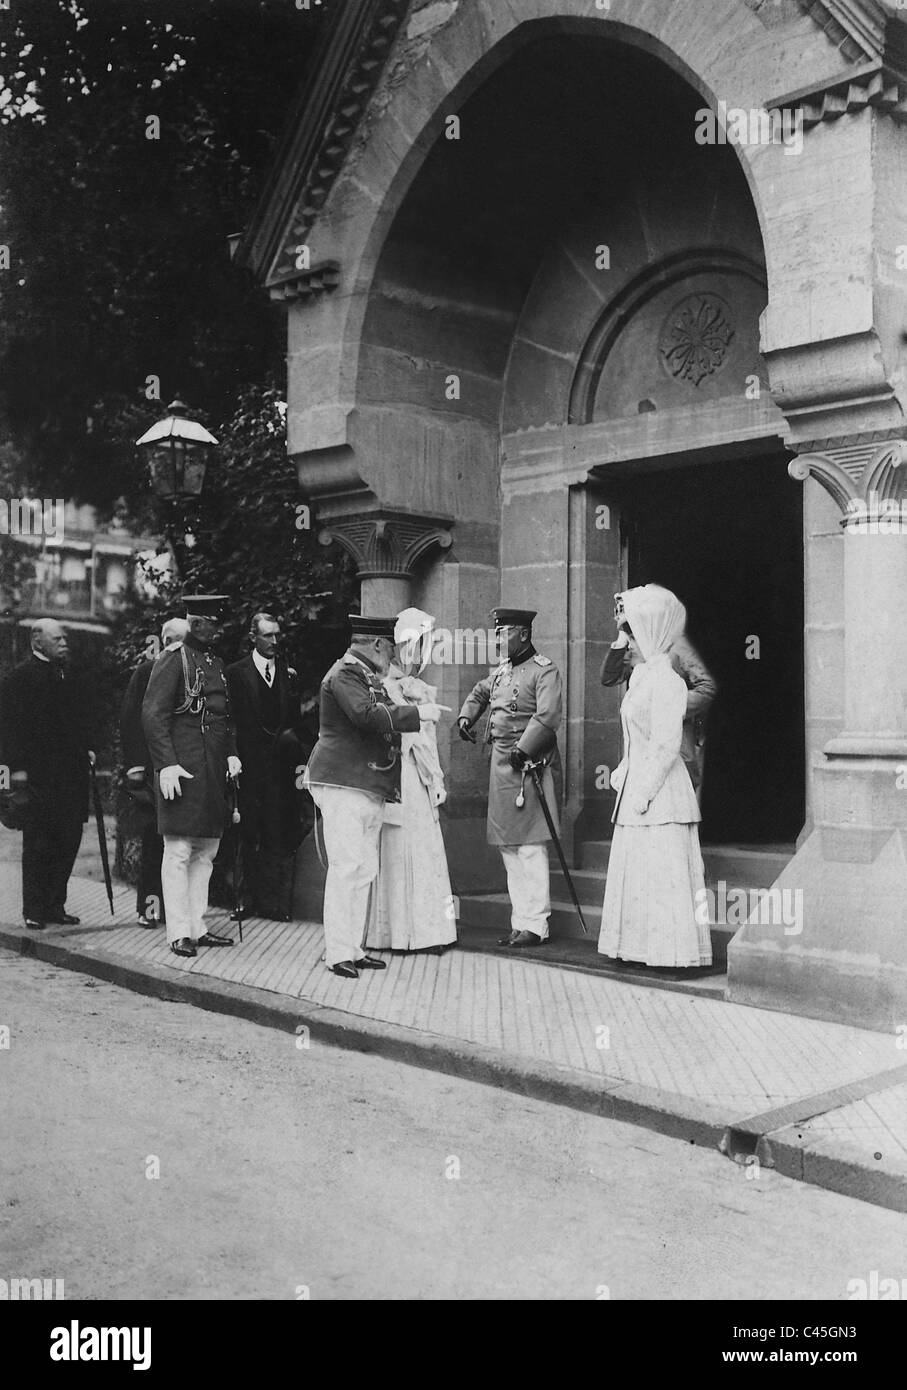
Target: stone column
845,955
386,547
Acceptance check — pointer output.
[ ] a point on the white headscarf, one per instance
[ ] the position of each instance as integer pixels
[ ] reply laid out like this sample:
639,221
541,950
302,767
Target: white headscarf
411,634
656,617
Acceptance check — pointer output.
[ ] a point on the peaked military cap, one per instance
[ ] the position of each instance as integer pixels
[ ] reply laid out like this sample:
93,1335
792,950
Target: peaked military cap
204,605
372,627
512,617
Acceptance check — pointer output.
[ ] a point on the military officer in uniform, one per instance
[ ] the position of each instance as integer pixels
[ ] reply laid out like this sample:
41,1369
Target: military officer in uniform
353,771
140,781
191,743
523,699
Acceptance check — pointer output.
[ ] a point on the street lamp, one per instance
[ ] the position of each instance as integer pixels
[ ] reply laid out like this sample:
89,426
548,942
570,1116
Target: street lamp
176,450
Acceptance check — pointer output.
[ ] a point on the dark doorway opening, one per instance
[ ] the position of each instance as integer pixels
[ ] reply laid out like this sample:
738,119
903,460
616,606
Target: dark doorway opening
728,539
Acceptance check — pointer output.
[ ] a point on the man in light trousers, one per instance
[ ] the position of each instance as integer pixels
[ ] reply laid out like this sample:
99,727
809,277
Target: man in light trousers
353,771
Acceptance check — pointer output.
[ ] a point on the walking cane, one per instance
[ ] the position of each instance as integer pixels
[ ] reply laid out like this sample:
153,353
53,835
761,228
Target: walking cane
102,834
235,818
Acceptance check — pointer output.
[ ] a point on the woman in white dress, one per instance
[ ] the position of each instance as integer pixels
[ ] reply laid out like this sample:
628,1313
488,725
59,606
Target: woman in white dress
655,888
412,907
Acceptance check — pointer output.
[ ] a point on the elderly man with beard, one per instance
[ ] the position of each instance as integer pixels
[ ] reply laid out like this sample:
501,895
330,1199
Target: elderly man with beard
44,730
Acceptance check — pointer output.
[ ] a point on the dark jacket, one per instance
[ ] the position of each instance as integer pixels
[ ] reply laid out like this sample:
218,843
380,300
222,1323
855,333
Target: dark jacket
257,734
359,732
46,731
132,735
270,750
199,740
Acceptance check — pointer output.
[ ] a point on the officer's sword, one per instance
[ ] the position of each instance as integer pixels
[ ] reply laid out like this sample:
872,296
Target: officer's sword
535,774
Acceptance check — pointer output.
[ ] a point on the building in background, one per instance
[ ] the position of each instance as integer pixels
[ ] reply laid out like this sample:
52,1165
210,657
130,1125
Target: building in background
81,576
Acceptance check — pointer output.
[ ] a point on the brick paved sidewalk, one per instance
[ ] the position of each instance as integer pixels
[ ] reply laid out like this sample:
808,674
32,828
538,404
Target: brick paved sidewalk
821,1101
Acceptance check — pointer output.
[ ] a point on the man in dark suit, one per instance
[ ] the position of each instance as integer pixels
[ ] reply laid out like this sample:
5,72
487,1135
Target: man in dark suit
265,706
140,780
44,731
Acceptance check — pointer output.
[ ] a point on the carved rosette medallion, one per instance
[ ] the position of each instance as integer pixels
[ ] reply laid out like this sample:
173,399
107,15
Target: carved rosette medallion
695,338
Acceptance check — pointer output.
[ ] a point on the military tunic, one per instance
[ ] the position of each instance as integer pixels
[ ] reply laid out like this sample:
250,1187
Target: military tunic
186,721
199,739
523,699
353,771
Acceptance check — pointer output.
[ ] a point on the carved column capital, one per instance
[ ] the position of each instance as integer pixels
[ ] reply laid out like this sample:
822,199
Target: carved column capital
386,545
867,480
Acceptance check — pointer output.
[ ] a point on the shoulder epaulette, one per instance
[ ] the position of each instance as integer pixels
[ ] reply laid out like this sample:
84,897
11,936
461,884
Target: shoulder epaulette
541,660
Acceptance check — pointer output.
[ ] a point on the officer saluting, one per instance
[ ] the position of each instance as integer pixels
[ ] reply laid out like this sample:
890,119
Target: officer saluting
354,769
189,732
523,699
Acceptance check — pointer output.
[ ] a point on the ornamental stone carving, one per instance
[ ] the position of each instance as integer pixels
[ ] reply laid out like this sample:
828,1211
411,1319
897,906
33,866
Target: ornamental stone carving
695,338
388,545
868,480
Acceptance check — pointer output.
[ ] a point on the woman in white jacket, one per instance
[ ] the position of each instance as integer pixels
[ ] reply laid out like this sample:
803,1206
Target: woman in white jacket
412,907
655,884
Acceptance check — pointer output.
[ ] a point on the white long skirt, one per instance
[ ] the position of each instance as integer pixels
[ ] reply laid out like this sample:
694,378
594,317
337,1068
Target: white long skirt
412,906
655,882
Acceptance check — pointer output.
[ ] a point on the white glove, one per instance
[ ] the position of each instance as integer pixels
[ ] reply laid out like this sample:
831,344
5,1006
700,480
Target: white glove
430,714
234,766
170,781
639,806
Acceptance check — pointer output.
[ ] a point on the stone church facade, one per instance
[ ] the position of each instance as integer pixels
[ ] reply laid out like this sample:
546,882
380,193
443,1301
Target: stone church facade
568,311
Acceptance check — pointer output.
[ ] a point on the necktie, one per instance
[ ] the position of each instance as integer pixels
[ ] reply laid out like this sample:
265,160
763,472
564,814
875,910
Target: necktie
268,674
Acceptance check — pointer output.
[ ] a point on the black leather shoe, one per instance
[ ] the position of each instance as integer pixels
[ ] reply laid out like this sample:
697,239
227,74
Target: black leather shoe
183,947
347,969
369,963
65,919
508,940
33,924
211,938
527,938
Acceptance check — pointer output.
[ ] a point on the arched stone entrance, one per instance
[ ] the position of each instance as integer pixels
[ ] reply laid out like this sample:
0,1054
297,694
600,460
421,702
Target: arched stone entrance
461,329
566,281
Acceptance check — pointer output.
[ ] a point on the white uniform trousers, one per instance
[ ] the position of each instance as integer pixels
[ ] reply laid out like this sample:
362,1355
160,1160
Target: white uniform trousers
528,886
352,822
185,872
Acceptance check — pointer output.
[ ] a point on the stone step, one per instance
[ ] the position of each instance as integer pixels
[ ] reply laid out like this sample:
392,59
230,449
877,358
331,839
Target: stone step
739,866
589,885
491,912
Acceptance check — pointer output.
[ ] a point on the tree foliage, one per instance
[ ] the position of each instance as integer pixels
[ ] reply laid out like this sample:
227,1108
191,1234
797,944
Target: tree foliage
253,542
134,138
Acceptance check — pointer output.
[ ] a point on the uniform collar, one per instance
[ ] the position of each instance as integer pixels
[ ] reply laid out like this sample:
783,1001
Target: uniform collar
523,656
194,645
363,661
